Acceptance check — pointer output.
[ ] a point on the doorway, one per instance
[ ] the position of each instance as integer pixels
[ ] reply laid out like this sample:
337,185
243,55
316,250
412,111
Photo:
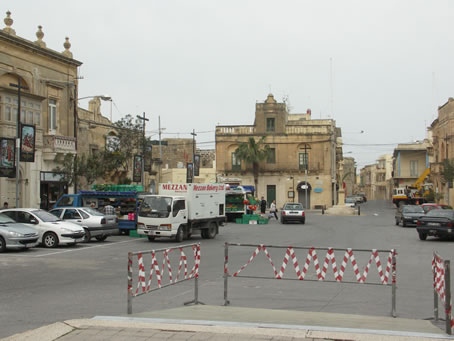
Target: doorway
270,194
304,191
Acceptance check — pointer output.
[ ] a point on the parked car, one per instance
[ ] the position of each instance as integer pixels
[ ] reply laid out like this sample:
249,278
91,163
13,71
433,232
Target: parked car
15,235
95,223
437,222
350,201
408,214
430,206
293,211
52,230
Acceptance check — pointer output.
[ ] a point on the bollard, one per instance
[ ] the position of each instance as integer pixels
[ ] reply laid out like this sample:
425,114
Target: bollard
359,210
323,209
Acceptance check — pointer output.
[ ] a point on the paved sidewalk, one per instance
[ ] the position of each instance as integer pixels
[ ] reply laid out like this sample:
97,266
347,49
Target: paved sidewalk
233,323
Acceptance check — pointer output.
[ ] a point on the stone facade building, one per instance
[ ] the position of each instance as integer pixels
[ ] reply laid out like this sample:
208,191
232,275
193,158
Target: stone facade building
48,102
442,133
297,141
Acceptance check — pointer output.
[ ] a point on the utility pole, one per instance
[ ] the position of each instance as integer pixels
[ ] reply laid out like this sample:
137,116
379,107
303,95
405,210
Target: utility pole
306,147
143,147
193,152
19,87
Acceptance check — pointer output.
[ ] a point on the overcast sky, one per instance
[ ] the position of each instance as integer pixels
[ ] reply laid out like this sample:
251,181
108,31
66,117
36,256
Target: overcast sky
382,66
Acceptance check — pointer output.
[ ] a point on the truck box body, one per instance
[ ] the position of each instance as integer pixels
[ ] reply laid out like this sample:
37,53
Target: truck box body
203,200
179,209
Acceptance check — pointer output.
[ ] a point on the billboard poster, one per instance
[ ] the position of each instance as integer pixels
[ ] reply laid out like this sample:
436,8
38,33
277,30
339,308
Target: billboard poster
27,143
7,157
137,170
196,165
189,173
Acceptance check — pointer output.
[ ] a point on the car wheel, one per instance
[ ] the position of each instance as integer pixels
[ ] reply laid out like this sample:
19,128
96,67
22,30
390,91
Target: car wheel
50,239
87,236
2,245
397,222
422,235
211,232
282,221
101,238
404,224
303,221
180,235
151,238
204,234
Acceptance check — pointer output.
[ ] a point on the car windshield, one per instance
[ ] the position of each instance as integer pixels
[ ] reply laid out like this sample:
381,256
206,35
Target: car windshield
293,207
350,200
4,219
92,211
45,216
155,207
441,213
413,209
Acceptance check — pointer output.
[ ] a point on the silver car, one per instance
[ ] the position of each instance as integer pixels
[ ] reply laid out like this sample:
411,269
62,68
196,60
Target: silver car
95,223
15,235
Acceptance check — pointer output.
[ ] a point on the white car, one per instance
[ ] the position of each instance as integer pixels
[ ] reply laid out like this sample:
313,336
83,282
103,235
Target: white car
52,230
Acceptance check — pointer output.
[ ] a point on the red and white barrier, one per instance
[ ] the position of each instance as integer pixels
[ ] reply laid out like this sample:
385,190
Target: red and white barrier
386,273
329,258
144,286
441,282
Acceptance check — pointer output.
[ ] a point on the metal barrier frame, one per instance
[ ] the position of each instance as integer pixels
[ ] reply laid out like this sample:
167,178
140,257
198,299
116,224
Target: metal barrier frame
130,293
393,269
446,288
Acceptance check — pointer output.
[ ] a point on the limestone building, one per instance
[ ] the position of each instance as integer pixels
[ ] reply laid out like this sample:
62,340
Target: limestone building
48,102
442,133
297,143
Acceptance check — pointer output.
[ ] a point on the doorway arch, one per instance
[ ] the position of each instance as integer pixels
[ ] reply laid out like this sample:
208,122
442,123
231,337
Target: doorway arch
302,189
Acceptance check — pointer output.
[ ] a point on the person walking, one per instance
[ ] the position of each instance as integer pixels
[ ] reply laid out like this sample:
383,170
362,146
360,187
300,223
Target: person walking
263,205
109,210
273,209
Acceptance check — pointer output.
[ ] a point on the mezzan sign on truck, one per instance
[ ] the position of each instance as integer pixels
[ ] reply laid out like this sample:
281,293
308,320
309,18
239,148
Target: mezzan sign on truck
199,188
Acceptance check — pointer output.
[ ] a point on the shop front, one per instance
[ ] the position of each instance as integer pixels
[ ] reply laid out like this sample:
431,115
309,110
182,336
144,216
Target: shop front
52,186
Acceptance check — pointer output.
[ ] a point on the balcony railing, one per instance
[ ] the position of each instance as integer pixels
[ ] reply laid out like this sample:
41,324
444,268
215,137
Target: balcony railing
289,130
55,144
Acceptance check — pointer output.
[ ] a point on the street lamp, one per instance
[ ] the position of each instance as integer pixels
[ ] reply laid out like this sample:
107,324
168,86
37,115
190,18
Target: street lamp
101,97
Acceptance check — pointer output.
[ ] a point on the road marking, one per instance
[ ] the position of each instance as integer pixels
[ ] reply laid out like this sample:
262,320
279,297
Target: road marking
65,251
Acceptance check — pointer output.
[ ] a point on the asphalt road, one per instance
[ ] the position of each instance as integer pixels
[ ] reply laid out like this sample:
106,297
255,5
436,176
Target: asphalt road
42,286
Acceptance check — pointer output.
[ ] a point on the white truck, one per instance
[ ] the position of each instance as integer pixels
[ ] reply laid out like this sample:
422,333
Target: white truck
180,209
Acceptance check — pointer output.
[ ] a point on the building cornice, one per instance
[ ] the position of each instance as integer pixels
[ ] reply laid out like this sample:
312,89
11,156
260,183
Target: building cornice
27,44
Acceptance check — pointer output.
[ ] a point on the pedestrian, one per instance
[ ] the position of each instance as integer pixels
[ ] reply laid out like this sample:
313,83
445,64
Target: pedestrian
109,210
5,205
263,205
273,209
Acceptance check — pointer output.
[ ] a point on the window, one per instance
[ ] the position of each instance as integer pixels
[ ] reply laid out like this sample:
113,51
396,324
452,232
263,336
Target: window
271,156
8,113
236,163
71,214
414,168
56,212
52,115
303,161
29,117
37,119
178,205
270,124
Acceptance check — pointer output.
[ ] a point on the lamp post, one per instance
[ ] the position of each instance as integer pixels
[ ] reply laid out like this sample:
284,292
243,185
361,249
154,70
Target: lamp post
101,97
306,147
143,148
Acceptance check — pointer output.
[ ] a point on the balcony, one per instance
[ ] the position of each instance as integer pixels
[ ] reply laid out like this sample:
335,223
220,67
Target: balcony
235,130
53,144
